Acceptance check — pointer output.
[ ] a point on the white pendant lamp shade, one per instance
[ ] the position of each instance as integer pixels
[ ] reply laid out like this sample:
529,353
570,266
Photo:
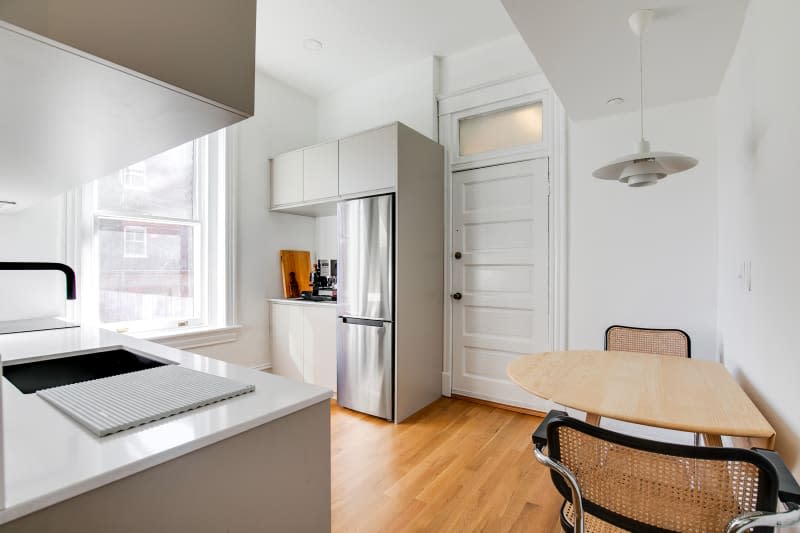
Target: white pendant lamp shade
644,167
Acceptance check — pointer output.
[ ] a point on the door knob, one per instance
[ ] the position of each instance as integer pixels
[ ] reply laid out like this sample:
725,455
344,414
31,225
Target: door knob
457,255
457,296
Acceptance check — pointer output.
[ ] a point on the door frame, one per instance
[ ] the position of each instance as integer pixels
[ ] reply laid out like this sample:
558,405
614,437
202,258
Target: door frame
494,96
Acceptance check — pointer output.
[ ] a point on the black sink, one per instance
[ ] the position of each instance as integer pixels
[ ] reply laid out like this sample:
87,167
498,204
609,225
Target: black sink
36,375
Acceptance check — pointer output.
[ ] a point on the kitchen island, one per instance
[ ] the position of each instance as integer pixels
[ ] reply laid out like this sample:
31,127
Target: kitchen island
257,462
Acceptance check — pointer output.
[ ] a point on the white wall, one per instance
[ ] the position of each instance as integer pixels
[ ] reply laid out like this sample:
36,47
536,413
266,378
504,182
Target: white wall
643,257
35,234
405,94
758,116
326,244
493,61
284,119
408,93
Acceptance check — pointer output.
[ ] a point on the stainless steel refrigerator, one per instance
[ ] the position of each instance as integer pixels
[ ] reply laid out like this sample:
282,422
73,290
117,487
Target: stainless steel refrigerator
365,308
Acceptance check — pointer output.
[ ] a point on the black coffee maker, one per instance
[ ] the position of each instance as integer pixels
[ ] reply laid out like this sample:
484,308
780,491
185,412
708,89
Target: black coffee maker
323,280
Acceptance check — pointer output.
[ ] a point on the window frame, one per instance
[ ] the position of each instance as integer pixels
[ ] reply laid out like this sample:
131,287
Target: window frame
128,172
466,106
212,247
129,230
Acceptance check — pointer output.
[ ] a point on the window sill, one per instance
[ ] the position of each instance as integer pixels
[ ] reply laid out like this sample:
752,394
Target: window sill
185,338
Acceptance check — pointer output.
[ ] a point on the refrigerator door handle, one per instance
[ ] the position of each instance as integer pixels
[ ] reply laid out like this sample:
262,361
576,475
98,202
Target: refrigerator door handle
363,322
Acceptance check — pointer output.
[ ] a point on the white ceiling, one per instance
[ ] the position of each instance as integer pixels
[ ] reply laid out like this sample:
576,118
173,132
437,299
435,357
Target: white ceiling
363,38
590,55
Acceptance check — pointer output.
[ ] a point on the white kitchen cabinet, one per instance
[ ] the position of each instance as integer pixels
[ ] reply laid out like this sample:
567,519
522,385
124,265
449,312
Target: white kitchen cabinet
286,334
368,161
303,341
286,178
319,345
321,172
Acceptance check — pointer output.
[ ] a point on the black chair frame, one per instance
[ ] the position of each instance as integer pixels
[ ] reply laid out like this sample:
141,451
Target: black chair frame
778,482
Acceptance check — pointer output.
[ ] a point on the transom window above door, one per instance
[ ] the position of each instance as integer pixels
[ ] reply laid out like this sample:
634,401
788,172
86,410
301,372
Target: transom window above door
499,130
501,123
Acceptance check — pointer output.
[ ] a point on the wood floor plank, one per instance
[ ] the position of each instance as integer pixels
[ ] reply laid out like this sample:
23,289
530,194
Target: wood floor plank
455,466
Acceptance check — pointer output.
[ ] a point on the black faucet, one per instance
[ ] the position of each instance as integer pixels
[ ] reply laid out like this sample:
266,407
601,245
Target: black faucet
23,265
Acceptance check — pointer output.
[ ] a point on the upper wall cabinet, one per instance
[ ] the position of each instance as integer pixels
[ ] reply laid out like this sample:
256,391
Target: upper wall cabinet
321,172
360,165
368,161
91,86
286,173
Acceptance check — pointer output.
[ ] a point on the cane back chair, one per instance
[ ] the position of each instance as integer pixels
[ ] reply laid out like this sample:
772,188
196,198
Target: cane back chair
613,483
648,340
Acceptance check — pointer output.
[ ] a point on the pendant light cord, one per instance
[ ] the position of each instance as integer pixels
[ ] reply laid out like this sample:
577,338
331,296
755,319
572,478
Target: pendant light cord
641,87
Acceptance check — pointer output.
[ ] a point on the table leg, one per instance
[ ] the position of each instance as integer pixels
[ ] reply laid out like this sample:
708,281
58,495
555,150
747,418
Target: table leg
754,442
712,440
593,419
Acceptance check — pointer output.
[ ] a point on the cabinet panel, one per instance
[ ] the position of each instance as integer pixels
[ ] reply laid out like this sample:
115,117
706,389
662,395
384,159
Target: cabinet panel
286,178
286,340
368,161
319,345
321,171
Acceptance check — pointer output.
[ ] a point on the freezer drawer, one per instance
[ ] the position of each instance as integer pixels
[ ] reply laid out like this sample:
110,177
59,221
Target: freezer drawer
365,366
366,257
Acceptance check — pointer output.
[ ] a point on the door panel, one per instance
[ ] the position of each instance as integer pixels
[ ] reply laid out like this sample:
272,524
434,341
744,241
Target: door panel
321,171
500,226
502,323
319,345
286,338
286,177
485,236
364,366
366,258
368,161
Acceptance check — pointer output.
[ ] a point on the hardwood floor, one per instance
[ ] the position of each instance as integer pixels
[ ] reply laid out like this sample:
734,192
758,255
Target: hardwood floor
455,466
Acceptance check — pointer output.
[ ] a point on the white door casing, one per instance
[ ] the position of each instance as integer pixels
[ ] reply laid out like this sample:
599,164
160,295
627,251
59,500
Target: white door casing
499,225
488,98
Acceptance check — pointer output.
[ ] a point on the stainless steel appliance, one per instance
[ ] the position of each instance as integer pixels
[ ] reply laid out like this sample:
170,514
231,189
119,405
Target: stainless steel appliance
365,327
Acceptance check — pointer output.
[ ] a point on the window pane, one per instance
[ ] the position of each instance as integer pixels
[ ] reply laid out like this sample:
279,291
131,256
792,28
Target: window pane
502,129
146,270
161,186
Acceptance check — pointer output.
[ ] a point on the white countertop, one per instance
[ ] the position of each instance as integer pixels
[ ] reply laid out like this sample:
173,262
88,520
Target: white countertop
299,301
50,458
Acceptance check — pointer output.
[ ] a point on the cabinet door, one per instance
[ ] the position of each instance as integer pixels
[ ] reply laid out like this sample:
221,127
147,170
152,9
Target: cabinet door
368,161
321,171
286,177
286,340
319,345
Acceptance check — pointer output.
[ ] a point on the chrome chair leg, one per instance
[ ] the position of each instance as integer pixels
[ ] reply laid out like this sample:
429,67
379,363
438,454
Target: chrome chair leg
743,523
572,481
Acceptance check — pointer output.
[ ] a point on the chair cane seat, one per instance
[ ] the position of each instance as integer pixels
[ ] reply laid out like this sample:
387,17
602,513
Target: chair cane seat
591,523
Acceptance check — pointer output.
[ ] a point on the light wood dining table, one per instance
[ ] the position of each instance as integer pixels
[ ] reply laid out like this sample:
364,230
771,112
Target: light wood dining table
654,390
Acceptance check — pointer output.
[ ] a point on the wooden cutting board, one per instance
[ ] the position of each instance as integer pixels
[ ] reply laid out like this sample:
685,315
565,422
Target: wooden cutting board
295,272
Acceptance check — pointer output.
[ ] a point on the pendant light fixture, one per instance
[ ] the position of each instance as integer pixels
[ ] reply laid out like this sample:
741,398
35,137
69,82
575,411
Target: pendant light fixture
644,167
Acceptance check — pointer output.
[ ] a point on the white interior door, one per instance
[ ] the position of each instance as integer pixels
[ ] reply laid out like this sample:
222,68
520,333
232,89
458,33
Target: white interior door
499,280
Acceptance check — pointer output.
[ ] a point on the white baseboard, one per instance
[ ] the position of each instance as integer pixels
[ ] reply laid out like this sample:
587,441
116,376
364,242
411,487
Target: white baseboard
262,366
540,406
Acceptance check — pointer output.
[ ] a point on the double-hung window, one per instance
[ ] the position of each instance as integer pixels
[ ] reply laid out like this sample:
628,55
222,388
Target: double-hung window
152,241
